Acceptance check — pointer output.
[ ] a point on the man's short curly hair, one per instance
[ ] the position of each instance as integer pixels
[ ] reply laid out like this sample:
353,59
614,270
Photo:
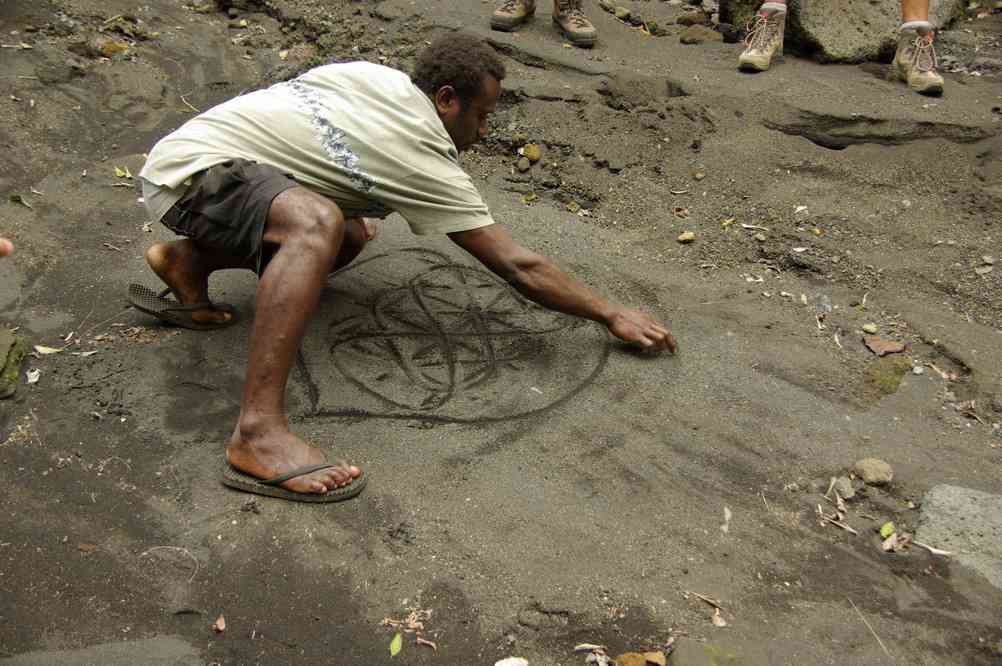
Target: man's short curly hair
460,60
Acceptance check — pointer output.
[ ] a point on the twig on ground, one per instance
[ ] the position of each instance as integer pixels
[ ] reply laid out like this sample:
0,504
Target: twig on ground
934,551
187,104
706,599
884,647
839,523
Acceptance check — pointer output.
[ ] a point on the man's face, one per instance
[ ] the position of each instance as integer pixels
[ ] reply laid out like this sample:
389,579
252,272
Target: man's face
467,123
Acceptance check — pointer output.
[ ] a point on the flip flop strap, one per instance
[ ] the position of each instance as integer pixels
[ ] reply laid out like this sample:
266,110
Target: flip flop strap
299,471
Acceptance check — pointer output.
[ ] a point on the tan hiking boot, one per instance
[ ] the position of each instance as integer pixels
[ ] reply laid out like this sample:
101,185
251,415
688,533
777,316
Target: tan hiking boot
512,14
915,62
572,22
765,38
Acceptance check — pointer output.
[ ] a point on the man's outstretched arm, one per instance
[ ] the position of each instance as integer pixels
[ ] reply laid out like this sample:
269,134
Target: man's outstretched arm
539,279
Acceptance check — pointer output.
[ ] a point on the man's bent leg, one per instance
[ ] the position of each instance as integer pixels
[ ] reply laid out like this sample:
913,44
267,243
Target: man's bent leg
185,265
309,231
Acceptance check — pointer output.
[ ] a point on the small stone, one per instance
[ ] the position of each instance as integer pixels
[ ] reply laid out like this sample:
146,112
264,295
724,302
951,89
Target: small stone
918,370
873,471
760,237
532,152
984,270
693,18
697,34
622,13
870,328
881,346
988,260
686,237
519,139
843,486
523,164
698,175
572,206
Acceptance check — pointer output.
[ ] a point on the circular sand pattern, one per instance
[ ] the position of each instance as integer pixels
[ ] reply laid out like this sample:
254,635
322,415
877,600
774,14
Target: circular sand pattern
413,334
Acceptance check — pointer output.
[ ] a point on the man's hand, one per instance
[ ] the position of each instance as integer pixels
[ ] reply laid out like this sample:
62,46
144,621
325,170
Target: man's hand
640,330
537,278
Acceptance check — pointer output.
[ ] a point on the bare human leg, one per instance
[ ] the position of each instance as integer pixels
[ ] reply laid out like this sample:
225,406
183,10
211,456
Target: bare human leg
914,10
309,231
185,266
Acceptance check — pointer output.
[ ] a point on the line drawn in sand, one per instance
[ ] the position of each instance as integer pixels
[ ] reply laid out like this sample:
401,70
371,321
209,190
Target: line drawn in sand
415,335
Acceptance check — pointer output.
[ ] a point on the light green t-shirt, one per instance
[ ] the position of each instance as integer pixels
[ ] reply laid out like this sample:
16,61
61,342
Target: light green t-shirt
362,134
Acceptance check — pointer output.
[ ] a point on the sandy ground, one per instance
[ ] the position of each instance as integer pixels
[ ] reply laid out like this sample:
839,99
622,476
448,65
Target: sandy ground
533,484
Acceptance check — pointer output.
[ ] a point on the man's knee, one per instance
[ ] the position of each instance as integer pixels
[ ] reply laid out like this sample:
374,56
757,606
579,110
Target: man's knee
321,229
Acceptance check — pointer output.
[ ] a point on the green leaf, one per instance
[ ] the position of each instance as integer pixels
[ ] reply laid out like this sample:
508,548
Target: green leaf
119,172
396,644
887,530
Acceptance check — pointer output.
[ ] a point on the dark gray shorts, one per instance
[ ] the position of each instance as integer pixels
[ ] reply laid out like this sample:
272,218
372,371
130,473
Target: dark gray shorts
226,207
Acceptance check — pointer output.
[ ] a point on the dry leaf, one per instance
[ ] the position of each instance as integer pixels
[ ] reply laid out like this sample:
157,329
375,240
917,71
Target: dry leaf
219,626
42,349
588,647
87,547
427,643
718,619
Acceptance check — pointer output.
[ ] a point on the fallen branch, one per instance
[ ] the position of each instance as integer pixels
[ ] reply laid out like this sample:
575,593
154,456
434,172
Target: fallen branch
934,551
706,599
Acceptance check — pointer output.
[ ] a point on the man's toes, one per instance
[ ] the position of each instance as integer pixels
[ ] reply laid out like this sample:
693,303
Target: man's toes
355,472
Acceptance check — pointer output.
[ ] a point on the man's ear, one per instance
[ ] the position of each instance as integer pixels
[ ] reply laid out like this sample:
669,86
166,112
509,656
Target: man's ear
445,99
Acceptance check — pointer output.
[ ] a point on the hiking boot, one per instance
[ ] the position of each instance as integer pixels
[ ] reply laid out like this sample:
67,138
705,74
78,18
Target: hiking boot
915,62
765,38
512,14
572,22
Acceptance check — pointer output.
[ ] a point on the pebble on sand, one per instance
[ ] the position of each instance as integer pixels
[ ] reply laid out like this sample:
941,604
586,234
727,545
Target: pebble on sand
686,237
697,34
873,471
532,152
870,328
523,164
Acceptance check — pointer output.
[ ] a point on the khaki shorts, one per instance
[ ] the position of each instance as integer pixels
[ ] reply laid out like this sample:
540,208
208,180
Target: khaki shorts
226,207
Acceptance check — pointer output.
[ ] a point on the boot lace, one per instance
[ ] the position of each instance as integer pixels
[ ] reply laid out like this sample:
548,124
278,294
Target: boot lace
761,30
924,53
571,10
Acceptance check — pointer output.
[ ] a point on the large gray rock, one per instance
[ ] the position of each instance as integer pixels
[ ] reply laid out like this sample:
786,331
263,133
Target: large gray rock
841,30
968,523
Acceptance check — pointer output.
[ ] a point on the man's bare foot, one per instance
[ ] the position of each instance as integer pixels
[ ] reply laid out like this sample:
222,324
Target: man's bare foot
179,266
268,454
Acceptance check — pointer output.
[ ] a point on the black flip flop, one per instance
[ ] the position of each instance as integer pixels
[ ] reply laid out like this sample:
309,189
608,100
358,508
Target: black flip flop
234,478
172,312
